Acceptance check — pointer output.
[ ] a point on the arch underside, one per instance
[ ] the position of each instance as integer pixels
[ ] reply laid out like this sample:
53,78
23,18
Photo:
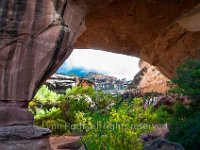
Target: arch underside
36,36
163,33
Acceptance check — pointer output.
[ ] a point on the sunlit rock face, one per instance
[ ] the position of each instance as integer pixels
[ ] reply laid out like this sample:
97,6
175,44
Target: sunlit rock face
149,79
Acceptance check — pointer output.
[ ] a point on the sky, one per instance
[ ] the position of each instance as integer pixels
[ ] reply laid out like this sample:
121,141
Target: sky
82,61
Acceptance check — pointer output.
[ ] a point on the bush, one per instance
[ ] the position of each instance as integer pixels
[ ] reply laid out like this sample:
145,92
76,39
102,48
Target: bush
121,128
188,80
163,114
107,121
44,100
185,122
185,127
49,107
112,123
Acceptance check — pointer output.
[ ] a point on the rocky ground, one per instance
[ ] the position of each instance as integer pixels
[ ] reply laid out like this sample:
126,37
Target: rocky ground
66,142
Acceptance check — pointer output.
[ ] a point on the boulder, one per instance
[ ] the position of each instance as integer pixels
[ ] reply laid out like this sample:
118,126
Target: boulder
160,131
162,144
168,100
23,137
72,142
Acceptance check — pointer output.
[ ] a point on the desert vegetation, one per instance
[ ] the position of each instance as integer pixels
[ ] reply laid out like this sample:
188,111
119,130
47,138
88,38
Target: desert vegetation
110,122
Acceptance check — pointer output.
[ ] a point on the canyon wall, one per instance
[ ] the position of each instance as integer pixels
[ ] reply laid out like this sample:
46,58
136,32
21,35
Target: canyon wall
35,39
36,36
149,79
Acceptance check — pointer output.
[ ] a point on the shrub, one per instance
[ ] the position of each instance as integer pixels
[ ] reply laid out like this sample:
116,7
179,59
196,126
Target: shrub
188,80
185,122
108,121
163,114
49,107
121,128
185,127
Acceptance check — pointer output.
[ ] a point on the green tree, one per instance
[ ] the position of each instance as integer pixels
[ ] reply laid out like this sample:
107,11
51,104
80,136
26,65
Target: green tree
188,80
185,122
120,129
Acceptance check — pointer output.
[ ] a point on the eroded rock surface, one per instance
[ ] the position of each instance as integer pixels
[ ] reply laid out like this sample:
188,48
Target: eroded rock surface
66,142
162,144
160,132
38,35
60,83
149,79
24,138
163,33
35,38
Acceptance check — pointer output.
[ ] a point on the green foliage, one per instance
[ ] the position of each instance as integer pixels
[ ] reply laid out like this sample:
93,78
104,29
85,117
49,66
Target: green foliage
188,79
121,128
185,126
108,121
83,99
163,114
185,122
46,111
44,99
45,95
48,107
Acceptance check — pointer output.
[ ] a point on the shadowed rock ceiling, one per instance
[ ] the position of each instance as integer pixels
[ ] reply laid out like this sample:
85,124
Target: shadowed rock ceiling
36,36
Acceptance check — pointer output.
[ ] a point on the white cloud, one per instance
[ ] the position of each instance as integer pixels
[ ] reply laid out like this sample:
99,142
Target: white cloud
112,64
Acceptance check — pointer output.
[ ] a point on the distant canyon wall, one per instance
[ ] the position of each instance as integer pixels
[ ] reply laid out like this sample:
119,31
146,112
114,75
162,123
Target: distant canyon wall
149,79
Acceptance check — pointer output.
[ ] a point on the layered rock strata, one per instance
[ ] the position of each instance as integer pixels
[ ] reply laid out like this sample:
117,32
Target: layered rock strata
149,79
60,83
163,144
162,33
36,36
26,137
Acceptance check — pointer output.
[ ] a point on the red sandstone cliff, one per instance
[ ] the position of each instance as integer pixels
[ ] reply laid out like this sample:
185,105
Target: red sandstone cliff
149,79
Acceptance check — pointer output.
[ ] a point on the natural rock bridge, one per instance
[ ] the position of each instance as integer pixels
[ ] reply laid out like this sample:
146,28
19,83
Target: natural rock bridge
36,36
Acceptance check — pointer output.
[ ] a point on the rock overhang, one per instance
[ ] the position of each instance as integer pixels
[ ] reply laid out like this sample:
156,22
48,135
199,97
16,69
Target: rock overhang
163,33
38,35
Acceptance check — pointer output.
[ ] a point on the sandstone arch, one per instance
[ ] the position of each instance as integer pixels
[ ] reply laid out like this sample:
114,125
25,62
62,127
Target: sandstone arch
36,36
163,33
